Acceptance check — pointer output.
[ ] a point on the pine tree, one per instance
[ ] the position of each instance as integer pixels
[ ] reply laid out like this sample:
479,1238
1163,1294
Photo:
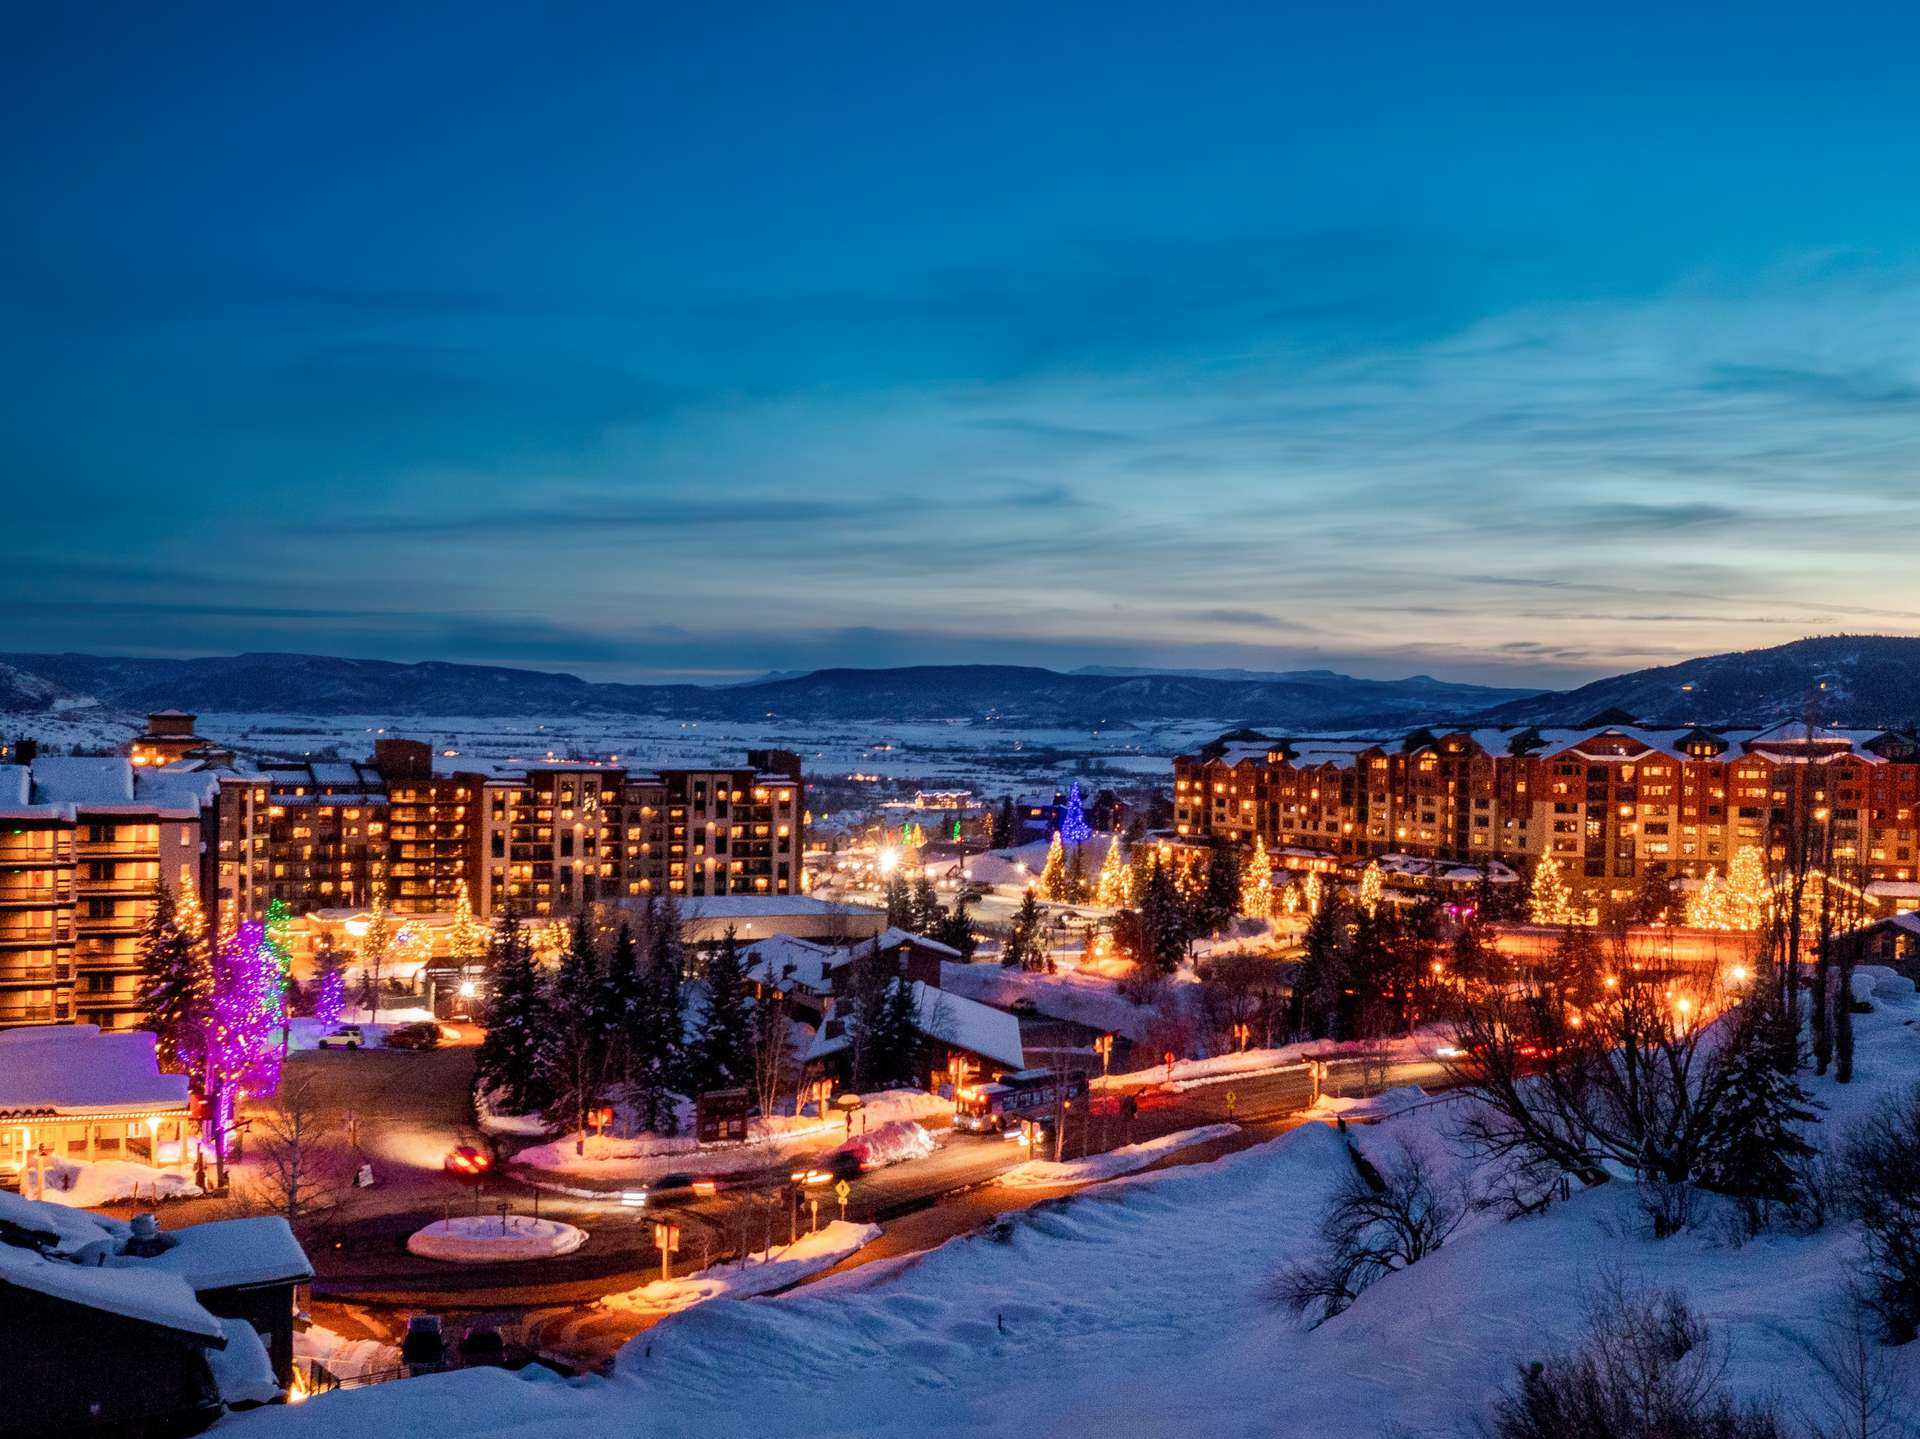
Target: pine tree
926,906
1074,828
1025,949
1550,899
1053,874
903,1044
1114,888
1372,886
1256,883
899,902
375,941
1162,924
1218,899
513,1056
659,1059
172,989
1002,836
329,986
1707,905
470,937
955,929
1075,883
575,1052
1754,1146
1318,982
1312,893
617,1004
1748,899
723,1052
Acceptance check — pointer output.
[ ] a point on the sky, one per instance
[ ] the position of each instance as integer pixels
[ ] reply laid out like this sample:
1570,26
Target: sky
1509,343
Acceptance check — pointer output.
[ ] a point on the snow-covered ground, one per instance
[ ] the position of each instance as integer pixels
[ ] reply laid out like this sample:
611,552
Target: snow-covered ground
490,1239
1375,1106
1147,1308
1048,1174
773,1140
1078,998
761,1273
82,1185
307,1033
1224,1068
344,1358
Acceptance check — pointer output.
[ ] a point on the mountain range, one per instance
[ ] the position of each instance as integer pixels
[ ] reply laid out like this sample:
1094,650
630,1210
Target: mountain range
1864,680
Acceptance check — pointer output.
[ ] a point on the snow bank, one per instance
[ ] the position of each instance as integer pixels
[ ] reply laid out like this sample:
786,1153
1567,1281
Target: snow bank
1387,1101
242,1371
893,1143
648,1156
82,1185
1143,1308
342,1357
768,1270
1079,998
496,1121
1046,1174
1199,1073
488,1239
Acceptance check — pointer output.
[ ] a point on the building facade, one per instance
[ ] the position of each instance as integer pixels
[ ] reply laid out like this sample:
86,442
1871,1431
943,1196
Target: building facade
1614,804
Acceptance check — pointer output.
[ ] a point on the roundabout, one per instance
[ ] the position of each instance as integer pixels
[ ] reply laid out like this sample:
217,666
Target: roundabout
486,1239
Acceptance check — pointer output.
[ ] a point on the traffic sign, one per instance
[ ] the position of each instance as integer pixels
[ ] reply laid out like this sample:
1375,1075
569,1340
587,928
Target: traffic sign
842,1190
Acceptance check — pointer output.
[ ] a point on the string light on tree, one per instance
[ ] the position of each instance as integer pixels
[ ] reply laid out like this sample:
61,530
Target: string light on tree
1310,893
1053,874
1748,898
1074,828
469,937
1256,883
1550,900
1114,887
1372,886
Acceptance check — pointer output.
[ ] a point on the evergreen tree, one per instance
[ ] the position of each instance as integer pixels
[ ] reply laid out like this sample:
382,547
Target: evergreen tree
329,986
955,929
617,1004
1162,936
1114,887
172,989
1256,883
926,909
1026,948
869,1019
1002,835
1754,1146
375,941
1550,898
1075,883
903,1045
1318,982
1053,874
1074,828
513,1056
659,1059
576,1053
1218,900
723,1052
899,902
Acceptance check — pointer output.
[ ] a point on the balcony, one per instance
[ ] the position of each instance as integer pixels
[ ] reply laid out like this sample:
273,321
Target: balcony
33,1014
40,974
34,936
14,894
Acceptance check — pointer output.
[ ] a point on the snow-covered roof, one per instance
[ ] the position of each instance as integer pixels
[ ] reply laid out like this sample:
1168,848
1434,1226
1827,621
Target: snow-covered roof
1894,889
83,782
234,1252
894,937
16,784
759,906
149,1295
182,790
55,1069
786,962
331,772
964,1023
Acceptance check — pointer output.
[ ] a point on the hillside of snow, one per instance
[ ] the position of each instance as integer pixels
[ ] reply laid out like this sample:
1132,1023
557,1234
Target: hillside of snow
1145,1307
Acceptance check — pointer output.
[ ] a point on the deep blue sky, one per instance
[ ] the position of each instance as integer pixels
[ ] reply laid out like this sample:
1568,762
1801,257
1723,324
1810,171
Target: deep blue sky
1511,342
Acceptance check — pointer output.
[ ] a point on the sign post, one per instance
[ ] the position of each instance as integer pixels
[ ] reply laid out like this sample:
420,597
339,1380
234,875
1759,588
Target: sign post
666,1238
840,1192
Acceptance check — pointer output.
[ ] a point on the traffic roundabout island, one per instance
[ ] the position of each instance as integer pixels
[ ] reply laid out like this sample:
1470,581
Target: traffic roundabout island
492,1239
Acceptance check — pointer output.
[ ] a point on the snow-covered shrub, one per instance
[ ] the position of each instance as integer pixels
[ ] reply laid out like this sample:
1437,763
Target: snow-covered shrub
1649,1368
1380,1219
1879,1184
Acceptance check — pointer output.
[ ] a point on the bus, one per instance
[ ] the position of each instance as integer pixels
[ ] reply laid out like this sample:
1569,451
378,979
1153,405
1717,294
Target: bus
1024,1094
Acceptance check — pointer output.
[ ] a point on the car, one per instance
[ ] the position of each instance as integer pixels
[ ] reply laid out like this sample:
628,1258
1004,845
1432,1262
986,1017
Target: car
413,1036
468,1161
347,1036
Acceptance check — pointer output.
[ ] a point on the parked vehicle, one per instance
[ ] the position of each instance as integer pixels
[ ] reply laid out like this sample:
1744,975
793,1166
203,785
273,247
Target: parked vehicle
347,1036
413,1036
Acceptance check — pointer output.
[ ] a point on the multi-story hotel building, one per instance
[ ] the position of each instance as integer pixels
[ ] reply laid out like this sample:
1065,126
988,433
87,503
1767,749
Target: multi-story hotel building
82,842
1614,803
560,837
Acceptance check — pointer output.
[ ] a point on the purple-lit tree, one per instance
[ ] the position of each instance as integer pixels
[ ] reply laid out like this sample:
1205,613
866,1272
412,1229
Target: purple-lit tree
244,1009
1074,828
329,997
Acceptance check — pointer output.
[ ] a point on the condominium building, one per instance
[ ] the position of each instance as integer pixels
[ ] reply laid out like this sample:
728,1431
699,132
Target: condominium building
82,842
1614,803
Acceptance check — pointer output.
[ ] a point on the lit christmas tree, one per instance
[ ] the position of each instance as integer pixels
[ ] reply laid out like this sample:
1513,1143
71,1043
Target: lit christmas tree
1310,893
244,1010
1372,885
1707,906
1256,883
1290,900
1550,900
1114,887
470,937
1053,875
329,997
1749,900
375,941
1074,828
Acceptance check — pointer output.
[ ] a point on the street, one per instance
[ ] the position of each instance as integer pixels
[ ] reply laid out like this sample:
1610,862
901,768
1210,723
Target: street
410,1108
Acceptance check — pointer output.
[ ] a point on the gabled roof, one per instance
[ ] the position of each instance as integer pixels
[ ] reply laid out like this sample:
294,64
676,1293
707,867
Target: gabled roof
54,1069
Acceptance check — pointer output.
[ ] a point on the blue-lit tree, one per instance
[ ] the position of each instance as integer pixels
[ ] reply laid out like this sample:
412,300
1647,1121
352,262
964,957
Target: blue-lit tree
1074,828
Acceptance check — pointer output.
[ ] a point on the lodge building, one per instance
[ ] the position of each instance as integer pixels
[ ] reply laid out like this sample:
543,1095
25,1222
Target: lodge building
1614,802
